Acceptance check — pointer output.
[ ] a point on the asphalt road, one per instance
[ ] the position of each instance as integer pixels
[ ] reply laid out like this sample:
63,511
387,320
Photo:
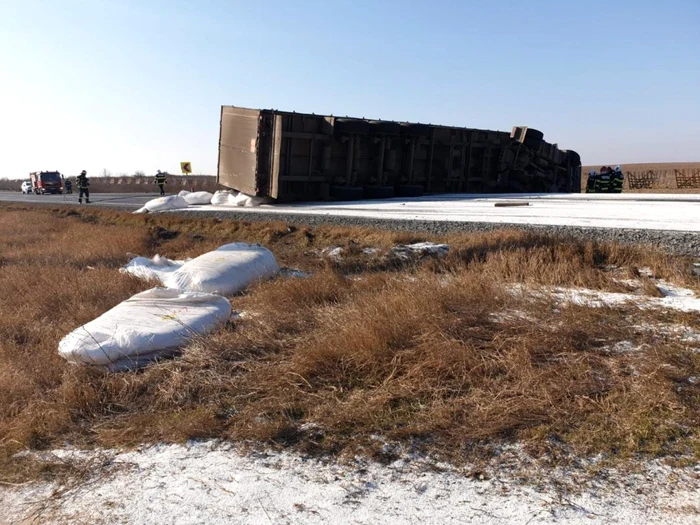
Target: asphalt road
660,212
109,200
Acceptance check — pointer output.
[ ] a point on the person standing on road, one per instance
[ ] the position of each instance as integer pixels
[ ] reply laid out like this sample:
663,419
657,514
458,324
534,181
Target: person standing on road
161,181
83,185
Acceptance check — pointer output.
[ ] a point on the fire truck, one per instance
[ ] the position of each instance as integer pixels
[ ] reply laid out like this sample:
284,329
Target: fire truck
46,182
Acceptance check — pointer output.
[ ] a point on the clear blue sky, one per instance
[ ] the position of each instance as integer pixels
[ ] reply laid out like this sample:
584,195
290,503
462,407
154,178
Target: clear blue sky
137,84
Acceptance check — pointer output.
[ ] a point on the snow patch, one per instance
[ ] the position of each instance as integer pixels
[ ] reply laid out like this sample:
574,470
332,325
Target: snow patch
421,248
678,299
211,482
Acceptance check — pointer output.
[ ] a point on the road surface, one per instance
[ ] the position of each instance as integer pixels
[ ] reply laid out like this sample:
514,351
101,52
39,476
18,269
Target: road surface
108,200
667,212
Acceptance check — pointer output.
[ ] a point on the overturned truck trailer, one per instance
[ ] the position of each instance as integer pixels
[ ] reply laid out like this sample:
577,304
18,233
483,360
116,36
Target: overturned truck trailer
296,156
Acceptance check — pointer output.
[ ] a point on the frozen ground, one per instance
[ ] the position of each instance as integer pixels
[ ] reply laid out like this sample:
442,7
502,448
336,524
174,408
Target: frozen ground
212,483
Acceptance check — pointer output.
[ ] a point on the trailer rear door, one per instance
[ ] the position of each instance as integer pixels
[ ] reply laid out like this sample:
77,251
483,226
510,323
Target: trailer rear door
239,137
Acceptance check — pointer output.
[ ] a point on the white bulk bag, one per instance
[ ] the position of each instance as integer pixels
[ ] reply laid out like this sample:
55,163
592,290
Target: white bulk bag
221,198
184,193
155,269
151,324
227,270
198,197
171,202
245,200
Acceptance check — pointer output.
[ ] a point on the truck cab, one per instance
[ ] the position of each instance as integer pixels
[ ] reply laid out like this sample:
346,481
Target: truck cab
46,182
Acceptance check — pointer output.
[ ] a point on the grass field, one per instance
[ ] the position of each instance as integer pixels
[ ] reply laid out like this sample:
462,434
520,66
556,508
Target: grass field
452,355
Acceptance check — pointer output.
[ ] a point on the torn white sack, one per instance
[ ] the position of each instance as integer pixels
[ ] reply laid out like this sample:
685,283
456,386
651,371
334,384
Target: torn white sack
156,269
150,325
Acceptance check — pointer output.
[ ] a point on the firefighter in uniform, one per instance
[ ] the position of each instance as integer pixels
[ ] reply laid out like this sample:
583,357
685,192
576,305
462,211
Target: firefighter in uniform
161,181
602,183
618,179
590,183
83,185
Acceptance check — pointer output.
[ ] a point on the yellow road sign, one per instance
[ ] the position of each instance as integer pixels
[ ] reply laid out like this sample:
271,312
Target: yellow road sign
186,167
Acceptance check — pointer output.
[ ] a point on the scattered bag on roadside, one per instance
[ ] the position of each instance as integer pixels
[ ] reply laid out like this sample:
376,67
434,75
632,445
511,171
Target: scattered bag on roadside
221,197
246,200
171,202
227,270
198,197
150,325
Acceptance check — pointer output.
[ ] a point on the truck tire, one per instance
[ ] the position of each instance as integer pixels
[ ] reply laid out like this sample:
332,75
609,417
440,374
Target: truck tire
379,192
351,125
574,157
533,138
346,193
409,190
384,127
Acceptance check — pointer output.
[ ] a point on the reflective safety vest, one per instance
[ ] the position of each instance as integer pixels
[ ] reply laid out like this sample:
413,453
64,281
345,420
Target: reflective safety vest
160,179
602,183
82,182
618,179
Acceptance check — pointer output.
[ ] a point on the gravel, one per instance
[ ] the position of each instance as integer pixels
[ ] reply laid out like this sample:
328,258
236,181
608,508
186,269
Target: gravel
677,242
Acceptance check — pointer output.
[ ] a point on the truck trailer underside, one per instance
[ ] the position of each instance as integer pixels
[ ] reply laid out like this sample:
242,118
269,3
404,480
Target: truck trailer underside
296,157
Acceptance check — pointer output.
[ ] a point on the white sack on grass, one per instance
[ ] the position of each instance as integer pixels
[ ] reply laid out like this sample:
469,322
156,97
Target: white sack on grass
221,198
171,202
226,271
156,269
149,325
198,197
245,200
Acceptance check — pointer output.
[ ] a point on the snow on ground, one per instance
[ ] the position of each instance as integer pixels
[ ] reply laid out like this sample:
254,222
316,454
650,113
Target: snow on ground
636,211
404,251
210,482
675,297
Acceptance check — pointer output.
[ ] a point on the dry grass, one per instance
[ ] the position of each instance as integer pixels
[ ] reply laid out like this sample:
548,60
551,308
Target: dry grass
439,353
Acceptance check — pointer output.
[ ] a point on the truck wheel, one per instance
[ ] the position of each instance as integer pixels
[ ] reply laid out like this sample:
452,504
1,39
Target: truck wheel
574,157
379,192
409,190
533,138
351,125
346,193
